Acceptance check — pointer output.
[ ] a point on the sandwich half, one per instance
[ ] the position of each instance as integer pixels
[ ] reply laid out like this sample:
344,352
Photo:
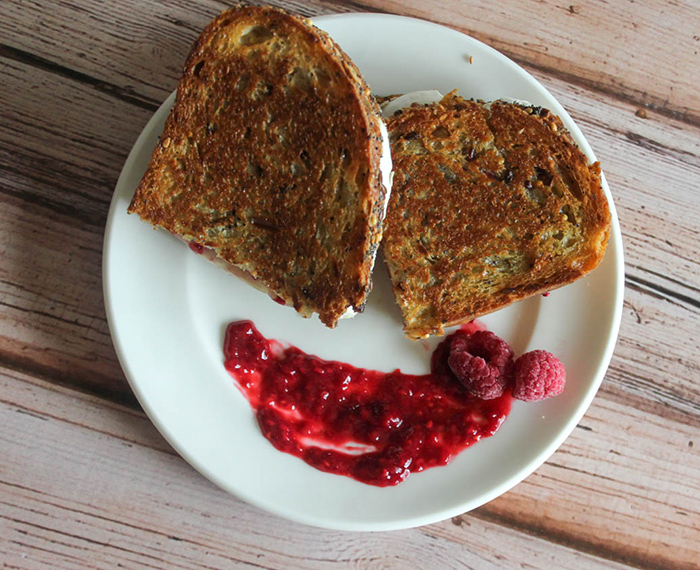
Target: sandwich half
491,203
271,161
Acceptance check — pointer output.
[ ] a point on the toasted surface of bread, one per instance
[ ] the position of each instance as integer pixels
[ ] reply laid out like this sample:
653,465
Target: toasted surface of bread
491,203
270,156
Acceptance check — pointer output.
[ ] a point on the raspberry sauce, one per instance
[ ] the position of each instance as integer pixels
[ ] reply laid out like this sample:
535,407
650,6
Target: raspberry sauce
372,426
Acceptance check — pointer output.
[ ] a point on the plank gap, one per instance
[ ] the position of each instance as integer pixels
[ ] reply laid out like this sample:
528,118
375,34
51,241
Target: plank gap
82,381
633,559
661,291
26,58
656,105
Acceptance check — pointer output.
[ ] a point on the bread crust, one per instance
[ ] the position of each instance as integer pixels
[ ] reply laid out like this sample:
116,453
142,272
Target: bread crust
491,203
270,156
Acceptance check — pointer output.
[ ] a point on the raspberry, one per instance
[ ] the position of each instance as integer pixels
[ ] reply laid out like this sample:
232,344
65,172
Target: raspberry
538,375
438,362
483,363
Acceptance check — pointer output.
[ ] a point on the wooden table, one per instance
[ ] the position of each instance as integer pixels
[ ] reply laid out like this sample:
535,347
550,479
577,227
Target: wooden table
86,481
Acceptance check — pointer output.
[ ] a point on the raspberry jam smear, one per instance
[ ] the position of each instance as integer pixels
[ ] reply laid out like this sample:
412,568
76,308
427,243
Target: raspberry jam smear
372,426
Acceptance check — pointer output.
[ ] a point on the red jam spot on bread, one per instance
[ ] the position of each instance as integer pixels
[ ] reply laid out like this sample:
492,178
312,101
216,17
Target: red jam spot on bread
196,247
372,426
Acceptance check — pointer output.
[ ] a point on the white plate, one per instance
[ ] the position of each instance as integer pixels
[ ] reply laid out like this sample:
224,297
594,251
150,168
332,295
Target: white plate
168,308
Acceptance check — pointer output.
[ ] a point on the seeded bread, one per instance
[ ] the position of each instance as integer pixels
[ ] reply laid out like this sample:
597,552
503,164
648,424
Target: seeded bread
270,157
491,203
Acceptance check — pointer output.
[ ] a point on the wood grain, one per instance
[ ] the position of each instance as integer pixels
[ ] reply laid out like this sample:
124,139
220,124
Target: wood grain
122,498
61,149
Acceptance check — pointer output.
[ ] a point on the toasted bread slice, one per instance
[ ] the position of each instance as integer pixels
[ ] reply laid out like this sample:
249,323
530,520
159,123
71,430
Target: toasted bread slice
491,203
271,157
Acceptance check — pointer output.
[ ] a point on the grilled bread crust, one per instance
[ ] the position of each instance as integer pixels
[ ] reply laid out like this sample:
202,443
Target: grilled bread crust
270,156
491,203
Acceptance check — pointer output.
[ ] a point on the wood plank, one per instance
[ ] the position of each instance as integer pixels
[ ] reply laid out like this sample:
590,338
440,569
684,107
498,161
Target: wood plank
52,317
62,143
61,334
90,483
61,149
139,52
655,366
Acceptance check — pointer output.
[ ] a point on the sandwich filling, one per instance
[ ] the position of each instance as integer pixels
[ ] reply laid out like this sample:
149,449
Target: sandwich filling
426,97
